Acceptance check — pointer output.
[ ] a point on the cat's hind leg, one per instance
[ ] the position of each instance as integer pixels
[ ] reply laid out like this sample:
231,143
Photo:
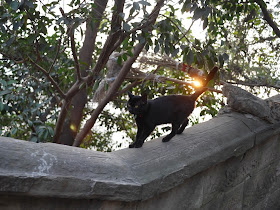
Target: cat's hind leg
175,127
183,126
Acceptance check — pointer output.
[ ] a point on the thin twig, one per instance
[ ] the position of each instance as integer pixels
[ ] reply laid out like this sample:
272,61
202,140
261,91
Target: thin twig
128,87
73,48
184,34
45,72
55,58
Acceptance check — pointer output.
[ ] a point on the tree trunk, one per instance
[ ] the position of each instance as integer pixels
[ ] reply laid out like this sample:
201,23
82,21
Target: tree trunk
73,121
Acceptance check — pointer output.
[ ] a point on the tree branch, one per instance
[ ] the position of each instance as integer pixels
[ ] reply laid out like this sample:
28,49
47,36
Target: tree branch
128,87
55,58
109,46
46,73
60,120
267,17
143,77
73,48
117,83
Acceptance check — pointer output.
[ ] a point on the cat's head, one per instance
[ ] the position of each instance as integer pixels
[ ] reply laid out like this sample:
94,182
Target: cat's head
137,104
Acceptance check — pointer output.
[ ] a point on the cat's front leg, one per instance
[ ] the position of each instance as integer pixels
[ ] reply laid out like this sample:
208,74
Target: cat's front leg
132,145
138,135
147,130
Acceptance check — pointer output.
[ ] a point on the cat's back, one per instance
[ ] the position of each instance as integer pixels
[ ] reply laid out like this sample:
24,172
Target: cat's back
171,102
166,109
171,99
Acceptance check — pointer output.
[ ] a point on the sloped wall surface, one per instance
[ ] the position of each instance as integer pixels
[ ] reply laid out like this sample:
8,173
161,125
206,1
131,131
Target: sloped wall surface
229,162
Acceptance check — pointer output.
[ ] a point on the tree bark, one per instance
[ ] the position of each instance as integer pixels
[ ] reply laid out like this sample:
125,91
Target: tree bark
72,122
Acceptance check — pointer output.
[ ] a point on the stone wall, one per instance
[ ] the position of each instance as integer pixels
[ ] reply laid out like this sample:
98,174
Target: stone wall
229,162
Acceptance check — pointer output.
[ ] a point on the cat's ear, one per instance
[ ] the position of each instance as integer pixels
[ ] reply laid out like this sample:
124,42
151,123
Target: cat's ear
144,97
130,94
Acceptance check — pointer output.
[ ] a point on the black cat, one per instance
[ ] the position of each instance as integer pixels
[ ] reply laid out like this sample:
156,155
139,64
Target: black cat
173,109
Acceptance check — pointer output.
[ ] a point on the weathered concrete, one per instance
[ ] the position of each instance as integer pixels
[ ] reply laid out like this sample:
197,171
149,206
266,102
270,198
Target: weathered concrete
244,102
229,162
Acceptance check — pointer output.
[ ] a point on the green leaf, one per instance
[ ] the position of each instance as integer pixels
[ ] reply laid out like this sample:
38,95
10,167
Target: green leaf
225,56
14,131
142,40
82,85
34,139
10,41
3,82
5,92
29,4
175,52
145,3
119,60
30,123
126,26
136,6
1,106
190,57
167,49
156,49
205,23
11,82
14,5
46,134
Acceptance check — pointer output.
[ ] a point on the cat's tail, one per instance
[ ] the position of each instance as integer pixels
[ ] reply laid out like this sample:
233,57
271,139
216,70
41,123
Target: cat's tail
209,77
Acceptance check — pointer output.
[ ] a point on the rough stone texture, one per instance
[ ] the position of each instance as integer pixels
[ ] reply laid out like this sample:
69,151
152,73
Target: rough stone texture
243,101
229,162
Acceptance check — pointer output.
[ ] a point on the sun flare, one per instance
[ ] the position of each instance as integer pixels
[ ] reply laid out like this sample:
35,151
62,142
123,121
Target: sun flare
197,83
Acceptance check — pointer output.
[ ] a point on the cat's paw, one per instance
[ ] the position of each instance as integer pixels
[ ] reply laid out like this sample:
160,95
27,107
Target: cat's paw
180,131
132,145
138,145
166,139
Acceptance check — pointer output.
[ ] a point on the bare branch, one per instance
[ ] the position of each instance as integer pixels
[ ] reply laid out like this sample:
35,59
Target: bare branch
152,77
55,58
46,73
128,87
267,17
73,48
183,33
71,31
